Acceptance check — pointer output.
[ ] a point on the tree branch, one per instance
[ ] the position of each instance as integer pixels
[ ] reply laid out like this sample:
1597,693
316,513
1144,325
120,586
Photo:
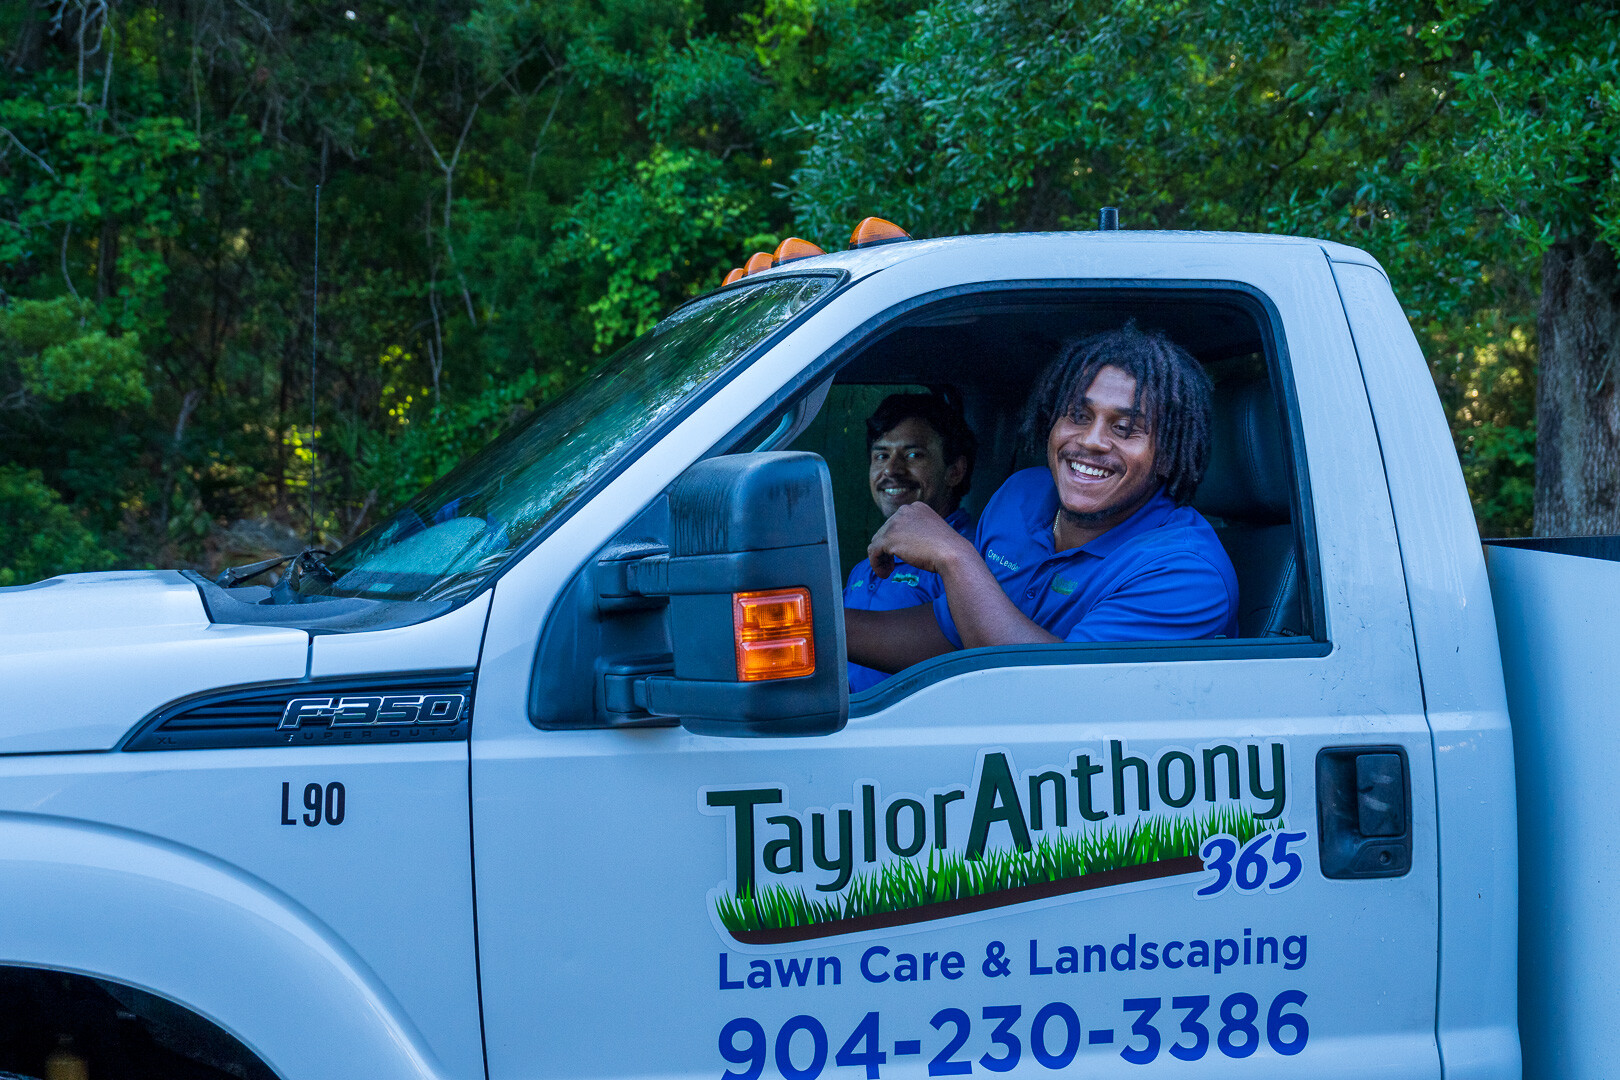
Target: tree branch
1304,149
528,180
188,405
41,162
449,170
67,231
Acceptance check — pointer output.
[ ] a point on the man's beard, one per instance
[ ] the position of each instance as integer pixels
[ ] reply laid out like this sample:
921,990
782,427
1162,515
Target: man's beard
1102,517
1086,521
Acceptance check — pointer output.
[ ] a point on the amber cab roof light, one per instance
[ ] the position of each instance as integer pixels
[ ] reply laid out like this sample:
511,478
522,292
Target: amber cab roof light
793,248
735,275
774,635
873,231
759,260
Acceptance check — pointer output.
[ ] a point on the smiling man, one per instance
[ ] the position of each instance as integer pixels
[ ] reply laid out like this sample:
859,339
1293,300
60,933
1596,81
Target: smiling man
920,451
1100,545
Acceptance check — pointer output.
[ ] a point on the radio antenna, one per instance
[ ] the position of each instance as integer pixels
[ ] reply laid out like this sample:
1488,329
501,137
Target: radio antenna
314,338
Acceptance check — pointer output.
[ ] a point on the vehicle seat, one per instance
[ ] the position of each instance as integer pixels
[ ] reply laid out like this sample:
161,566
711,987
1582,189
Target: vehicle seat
1246,495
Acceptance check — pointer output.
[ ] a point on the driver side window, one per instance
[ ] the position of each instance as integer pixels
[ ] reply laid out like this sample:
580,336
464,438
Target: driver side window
988,356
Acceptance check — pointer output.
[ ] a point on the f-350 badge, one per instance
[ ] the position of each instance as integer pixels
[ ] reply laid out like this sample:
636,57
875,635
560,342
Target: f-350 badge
373,710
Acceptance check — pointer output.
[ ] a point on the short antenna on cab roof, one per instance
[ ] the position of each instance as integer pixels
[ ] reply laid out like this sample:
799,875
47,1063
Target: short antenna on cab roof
1108,219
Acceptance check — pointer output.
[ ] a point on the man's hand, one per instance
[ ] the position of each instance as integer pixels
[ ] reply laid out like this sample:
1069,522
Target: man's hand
983,613
917,534
892,640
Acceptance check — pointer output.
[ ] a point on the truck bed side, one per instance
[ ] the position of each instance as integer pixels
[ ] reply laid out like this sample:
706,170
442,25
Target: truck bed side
1558,613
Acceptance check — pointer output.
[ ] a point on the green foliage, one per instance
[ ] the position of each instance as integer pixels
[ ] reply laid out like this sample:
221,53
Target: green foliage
907,884
1545,84
59,356
1343,121
74,173
651,239
39,536
431,438
507,189
1494,423
510,190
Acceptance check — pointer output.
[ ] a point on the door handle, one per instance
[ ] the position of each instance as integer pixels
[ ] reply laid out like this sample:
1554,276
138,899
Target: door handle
1364,811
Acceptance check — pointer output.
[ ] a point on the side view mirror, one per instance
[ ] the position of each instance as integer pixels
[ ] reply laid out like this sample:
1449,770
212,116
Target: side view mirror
754,594
726,619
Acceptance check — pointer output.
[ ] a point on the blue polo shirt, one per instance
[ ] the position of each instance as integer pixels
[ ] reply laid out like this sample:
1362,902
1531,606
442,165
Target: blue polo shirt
1159,575
906,587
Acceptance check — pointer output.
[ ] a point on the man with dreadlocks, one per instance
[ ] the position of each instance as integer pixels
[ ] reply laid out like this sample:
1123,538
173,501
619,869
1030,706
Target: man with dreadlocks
1098,546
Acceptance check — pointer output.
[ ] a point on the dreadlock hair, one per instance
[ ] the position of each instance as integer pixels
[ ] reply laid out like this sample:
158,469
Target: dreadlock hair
1172,394
939,413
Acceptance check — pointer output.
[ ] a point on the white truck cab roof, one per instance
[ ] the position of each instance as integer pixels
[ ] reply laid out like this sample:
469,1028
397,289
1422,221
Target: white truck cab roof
863,262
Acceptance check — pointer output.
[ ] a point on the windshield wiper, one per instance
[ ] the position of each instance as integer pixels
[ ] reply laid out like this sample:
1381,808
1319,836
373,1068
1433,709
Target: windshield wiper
235,575
310,560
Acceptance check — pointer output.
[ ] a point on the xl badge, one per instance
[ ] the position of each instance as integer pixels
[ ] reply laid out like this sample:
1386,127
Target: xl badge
374,710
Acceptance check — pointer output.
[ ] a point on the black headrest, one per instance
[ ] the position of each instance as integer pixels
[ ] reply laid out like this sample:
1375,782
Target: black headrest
1247,479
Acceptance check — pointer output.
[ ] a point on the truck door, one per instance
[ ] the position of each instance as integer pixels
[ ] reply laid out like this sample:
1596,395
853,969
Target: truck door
1213,856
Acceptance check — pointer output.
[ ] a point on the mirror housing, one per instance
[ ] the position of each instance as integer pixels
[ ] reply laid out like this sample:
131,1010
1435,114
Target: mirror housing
739,547
751,523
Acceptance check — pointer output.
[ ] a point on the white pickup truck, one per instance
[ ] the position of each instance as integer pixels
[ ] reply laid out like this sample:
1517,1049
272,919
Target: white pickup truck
486,794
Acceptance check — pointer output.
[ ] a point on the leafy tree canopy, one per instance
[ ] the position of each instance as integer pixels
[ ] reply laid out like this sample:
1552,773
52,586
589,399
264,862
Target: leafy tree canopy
510,190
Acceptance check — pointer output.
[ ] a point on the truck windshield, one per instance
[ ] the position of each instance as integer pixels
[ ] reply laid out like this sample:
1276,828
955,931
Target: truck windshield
448,540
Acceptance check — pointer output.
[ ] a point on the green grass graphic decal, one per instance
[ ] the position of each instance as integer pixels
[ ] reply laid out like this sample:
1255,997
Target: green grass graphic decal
946,876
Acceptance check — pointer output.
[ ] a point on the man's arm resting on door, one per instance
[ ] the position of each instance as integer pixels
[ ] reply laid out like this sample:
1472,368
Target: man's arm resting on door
891,640
982,611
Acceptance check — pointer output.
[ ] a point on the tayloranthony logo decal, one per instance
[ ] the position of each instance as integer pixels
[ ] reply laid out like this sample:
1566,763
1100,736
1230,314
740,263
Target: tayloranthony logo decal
1106,816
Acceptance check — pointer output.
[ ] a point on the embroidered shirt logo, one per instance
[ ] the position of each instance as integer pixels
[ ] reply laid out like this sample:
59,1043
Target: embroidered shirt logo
1063,586
992,555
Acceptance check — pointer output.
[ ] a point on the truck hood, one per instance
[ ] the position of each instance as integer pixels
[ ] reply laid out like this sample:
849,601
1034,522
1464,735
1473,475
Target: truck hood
86,657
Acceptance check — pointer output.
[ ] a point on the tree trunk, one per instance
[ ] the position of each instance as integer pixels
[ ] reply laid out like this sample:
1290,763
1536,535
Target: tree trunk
1578,393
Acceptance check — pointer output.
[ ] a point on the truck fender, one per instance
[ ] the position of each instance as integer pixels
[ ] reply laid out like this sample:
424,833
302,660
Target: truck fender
121,905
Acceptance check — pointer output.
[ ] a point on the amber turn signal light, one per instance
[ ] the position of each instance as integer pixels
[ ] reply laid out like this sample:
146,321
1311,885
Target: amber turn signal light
774,635
873,231
794,248
759,260
735,275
